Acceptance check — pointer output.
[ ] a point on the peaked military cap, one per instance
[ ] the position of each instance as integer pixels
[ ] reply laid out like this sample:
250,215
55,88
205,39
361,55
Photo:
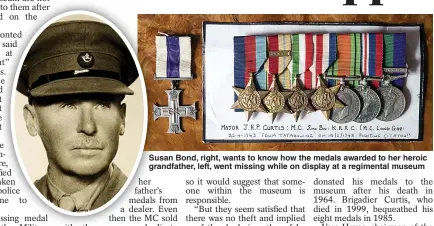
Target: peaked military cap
77,57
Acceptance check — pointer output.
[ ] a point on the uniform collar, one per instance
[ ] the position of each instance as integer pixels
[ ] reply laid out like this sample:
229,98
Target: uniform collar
84,198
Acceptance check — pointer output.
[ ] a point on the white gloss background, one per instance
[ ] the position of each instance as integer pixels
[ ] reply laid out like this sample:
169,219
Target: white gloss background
124,15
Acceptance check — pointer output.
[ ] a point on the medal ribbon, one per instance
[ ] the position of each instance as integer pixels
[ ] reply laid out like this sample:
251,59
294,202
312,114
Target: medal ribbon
279,56
249,56
302,59
250,53
349,60
173,57
394,54
325,54
372,56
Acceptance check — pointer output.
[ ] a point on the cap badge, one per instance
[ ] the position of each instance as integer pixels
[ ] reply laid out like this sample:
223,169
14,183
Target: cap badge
86,60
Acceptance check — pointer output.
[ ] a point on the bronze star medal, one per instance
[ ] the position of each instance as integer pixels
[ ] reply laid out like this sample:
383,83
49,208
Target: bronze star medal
275,101
249,99
324,98
279,56
299,100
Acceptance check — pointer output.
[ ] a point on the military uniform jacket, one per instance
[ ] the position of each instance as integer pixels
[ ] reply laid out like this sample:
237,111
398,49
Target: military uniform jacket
116,182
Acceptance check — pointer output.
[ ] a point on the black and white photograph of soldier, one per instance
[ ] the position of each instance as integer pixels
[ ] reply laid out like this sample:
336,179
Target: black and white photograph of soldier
77,80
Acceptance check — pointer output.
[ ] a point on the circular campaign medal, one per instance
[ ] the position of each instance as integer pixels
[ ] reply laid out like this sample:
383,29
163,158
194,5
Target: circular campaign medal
372,65
348,63
371,103
351,101
392,99
347,103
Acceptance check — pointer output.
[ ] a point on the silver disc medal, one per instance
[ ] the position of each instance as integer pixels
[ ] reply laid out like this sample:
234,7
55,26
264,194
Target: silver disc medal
392,101
352,106
371,104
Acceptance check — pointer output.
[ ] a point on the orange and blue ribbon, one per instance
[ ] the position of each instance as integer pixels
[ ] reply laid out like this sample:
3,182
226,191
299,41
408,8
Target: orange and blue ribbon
349,57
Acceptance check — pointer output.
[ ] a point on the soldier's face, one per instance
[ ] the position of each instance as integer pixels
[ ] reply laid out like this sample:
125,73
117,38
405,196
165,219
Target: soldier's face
80,133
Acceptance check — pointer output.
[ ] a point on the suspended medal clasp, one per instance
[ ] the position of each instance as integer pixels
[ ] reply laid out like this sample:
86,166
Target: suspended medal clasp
387,79
392,99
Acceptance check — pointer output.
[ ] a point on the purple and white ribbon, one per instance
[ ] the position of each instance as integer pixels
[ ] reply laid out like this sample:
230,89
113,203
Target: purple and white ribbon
173,57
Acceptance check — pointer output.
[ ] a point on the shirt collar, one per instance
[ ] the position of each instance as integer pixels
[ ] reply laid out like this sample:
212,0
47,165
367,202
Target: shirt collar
84,198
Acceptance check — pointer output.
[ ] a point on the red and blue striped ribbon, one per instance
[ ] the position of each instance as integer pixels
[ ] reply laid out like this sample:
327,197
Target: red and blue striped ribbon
250,53
372,56
394,54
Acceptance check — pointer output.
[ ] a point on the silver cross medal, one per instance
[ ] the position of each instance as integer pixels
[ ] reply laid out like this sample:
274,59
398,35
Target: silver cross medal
174,111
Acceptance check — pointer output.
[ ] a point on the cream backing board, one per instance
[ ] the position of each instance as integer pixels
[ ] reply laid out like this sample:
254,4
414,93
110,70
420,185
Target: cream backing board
222,124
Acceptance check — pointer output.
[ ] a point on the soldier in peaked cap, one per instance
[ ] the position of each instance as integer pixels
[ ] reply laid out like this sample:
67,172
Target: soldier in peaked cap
75,76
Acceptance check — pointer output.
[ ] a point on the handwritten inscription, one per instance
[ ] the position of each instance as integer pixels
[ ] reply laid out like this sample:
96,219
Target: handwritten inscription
265,127
252,131
229,127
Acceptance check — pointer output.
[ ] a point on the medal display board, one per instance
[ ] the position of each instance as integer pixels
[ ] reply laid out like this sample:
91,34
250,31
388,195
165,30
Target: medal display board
192,25
355,53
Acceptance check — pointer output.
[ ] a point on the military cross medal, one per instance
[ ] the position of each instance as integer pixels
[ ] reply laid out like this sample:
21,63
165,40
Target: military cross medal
174,111
173,63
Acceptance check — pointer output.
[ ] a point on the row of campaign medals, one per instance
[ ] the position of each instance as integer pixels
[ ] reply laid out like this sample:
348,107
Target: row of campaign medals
285,68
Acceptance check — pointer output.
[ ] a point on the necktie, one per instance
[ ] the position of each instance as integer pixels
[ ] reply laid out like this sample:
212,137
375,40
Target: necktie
67,203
